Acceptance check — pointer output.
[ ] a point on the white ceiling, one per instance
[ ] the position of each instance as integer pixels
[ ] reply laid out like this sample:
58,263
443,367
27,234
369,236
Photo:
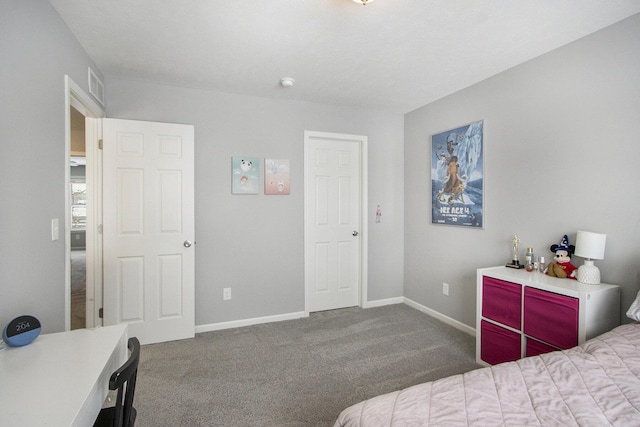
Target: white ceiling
394,55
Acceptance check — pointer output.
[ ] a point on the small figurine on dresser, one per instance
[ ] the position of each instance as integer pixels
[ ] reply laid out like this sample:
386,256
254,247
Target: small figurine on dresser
514,260
561,265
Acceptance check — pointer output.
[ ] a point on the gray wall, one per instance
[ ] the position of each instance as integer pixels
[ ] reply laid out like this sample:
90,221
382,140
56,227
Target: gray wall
561,146
254,244
560,150
36,51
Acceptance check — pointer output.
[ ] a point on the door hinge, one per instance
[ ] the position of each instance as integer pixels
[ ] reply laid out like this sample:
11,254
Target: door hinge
100,313
100,144
100,229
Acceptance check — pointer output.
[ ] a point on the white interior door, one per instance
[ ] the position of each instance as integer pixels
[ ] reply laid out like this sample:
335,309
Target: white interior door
333,220
148,228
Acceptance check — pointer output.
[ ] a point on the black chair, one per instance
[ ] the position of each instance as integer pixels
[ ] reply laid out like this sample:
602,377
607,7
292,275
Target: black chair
123,414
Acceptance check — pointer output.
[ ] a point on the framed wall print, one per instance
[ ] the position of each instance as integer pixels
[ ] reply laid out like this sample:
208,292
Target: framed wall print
245,175
277,177
457,176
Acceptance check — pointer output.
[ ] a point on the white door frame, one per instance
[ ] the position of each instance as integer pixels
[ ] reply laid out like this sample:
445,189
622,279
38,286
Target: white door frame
76,97
364,227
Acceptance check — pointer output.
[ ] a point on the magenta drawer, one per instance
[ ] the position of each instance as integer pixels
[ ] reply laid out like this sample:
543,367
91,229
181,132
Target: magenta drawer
501,301
551,318
498,344
535,347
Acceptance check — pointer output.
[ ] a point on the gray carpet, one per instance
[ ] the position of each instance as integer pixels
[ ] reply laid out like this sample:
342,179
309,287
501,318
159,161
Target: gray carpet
78,270
78,289
295,373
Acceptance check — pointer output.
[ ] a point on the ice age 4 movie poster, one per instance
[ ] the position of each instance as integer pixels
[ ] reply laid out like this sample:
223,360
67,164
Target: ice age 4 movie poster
457,176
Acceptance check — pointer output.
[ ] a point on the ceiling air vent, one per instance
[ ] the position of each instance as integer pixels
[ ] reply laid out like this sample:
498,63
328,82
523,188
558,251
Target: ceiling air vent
96,87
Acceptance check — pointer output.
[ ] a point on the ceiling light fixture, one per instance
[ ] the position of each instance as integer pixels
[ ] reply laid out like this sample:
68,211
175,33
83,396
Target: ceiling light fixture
363,2
287,82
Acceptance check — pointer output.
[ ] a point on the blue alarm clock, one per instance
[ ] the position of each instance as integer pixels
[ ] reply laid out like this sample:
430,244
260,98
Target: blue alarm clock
21,331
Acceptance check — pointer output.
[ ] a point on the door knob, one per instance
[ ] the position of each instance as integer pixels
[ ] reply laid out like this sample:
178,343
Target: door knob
355,233
187,243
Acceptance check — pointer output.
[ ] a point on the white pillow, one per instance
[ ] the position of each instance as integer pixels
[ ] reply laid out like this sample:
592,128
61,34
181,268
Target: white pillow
634,311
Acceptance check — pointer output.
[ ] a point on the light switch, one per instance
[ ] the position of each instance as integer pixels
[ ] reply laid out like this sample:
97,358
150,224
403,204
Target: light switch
55,229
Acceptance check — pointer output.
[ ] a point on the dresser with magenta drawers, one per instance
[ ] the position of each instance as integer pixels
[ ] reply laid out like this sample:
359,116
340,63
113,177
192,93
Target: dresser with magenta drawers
521,313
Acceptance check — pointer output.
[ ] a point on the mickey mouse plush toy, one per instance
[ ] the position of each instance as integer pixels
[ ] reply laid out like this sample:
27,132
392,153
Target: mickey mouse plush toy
562,266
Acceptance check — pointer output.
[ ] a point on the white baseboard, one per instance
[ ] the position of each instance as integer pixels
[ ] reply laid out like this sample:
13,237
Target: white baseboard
248,322
383,302
279,317
446,319
369,304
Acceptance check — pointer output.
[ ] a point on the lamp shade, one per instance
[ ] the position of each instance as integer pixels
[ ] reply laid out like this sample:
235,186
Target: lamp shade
590,245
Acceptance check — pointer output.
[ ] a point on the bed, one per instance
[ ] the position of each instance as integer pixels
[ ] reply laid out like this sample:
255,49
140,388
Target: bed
595,384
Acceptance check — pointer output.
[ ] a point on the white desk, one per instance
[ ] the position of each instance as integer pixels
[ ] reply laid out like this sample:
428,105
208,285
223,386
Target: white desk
60,379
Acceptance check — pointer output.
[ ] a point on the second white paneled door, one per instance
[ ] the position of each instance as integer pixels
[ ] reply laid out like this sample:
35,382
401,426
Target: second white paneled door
148,228
333,220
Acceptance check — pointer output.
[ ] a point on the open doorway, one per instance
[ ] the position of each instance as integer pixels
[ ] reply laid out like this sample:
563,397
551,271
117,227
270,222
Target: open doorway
83,259
78,232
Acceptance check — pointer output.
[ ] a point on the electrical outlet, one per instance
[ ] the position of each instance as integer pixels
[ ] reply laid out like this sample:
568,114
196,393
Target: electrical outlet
445,288
226,294
55,229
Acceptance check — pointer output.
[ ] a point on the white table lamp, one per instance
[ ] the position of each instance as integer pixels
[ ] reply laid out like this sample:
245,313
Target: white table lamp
590,246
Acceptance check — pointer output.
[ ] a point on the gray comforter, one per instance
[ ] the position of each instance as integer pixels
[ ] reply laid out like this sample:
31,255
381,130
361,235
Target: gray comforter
596,384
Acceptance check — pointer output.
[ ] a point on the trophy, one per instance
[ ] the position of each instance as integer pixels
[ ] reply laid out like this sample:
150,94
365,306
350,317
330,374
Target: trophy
514,260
